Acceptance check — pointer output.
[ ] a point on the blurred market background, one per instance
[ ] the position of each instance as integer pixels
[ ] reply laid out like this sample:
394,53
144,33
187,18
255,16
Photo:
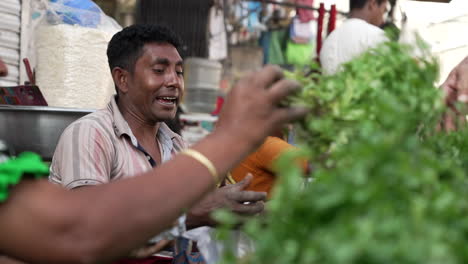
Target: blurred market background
66,75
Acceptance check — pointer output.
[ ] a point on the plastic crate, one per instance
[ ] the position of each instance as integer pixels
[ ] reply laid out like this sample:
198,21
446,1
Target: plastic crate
202,73
198,100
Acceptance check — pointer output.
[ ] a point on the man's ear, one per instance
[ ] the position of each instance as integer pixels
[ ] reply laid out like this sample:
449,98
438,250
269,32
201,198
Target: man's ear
371,4
120,77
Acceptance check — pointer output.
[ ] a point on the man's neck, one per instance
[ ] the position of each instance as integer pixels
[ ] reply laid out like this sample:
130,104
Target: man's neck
142,129
360,14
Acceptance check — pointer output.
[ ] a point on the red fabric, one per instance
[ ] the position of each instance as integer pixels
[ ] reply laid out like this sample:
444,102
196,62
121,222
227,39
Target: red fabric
219,105
305,15
332,19
320,28
149,260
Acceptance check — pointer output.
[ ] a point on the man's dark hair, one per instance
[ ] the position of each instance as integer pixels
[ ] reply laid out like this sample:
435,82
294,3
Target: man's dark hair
358,4
126,46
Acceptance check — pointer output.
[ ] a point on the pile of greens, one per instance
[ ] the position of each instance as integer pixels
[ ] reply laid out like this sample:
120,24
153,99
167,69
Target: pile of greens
384,90
386,188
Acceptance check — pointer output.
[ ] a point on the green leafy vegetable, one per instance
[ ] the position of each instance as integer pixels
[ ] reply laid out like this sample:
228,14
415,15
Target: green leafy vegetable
386,187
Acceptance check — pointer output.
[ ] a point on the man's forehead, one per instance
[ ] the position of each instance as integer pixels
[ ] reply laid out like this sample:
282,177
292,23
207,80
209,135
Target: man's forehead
163,50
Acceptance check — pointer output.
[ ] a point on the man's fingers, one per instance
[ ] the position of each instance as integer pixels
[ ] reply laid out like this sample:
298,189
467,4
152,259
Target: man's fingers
247,196
454,109
245,182
449,123
461,121
268,75
289,114
283,88
278,92
249,209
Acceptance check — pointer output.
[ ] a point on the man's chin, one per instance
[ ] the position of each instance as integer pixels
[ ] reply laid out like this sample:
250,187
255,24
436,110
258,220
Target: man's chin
165,117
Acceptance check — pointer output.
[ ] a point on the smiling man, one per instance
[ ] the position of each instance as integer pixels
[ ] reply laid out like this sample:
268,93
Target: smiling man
119,141
129,137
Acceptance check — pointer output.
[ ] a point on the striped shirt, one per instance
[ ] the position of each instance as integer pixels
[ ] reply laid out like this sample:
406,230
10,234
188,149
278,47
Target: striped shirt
100,147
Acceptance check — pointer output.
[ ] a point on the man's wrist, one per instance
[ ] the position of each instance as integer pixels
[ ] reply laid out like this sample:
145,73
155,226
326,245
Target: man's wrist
234,142
197,220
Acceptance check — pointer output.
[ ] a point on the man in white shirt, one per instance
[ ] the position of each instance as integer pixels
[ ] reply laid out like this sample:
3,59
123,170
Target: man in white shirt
357,34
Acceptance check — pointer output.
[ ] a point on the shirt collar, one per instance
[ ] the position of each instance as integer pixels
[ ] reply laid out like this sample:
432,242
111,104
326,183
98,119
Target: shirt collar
121,127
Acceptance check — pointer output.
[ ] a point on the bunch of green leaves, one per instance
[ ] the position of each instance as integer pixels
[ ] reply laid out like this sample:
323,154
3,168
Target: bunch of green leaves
390,200
384,89
453,146
396,190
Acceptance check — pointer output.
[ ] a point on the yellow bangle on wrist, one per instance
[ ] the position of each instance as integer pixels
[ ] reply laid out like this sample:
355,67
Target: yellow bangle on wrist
204,161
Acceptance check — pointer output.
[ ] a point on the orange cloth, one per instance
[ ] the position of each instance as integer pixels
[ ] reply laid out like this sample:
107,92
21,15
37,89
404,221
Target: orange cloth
259,164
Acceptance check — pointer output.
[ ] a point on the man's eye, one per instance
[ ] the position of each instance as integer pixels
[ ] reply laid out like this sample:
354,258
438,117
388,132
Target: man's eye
158,70
180,73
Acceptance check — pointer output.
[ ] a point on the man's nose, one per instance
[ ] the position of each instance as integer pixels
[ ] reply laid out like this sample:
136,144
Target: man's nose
3,69
172,79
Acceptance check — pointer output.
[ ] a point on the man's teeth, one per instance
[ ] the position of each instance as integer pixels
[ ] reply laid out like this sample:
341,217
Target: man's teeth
167,100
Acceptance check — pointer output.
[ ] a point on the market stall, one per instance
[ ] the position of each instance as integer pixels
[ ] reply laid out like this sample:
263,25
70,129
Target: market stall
10,28
382,182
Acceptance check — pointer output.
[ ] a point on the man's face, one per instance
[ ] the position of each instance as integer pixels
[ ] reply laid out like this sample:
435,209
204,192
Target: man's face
462,81
456,85
157,84
3,69
378,11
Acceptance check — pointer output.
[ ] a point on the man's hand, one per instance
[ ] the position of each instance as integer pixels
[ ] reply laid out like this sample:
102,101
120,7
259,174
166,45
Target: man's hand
253,107
243,202
232,197
148,251
455,89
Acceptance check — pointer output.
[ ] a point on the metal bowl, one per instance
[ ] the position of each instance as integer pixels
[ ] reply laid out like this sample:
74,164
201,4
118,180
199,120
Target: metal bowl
36,128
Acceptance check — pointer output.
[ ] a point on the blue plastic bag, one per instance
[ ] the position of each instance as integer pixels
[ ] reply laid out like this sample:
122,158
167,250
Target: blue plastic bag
74,12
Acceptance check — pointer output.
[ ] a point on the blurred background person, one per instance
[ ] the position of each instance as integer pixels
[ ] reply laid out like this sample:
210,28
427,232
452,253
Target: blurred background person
356,35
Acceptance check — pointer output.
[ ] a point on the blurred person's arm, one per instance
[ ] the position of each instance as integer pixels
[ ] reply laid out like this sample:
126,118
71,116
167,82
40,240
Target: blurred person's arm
44,223
3,69
455,88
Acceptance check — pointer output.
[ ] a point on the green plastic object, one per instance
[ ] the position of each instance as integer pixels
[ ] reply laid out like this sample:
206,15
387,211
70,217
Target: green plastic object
299,54
276,50
27,164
